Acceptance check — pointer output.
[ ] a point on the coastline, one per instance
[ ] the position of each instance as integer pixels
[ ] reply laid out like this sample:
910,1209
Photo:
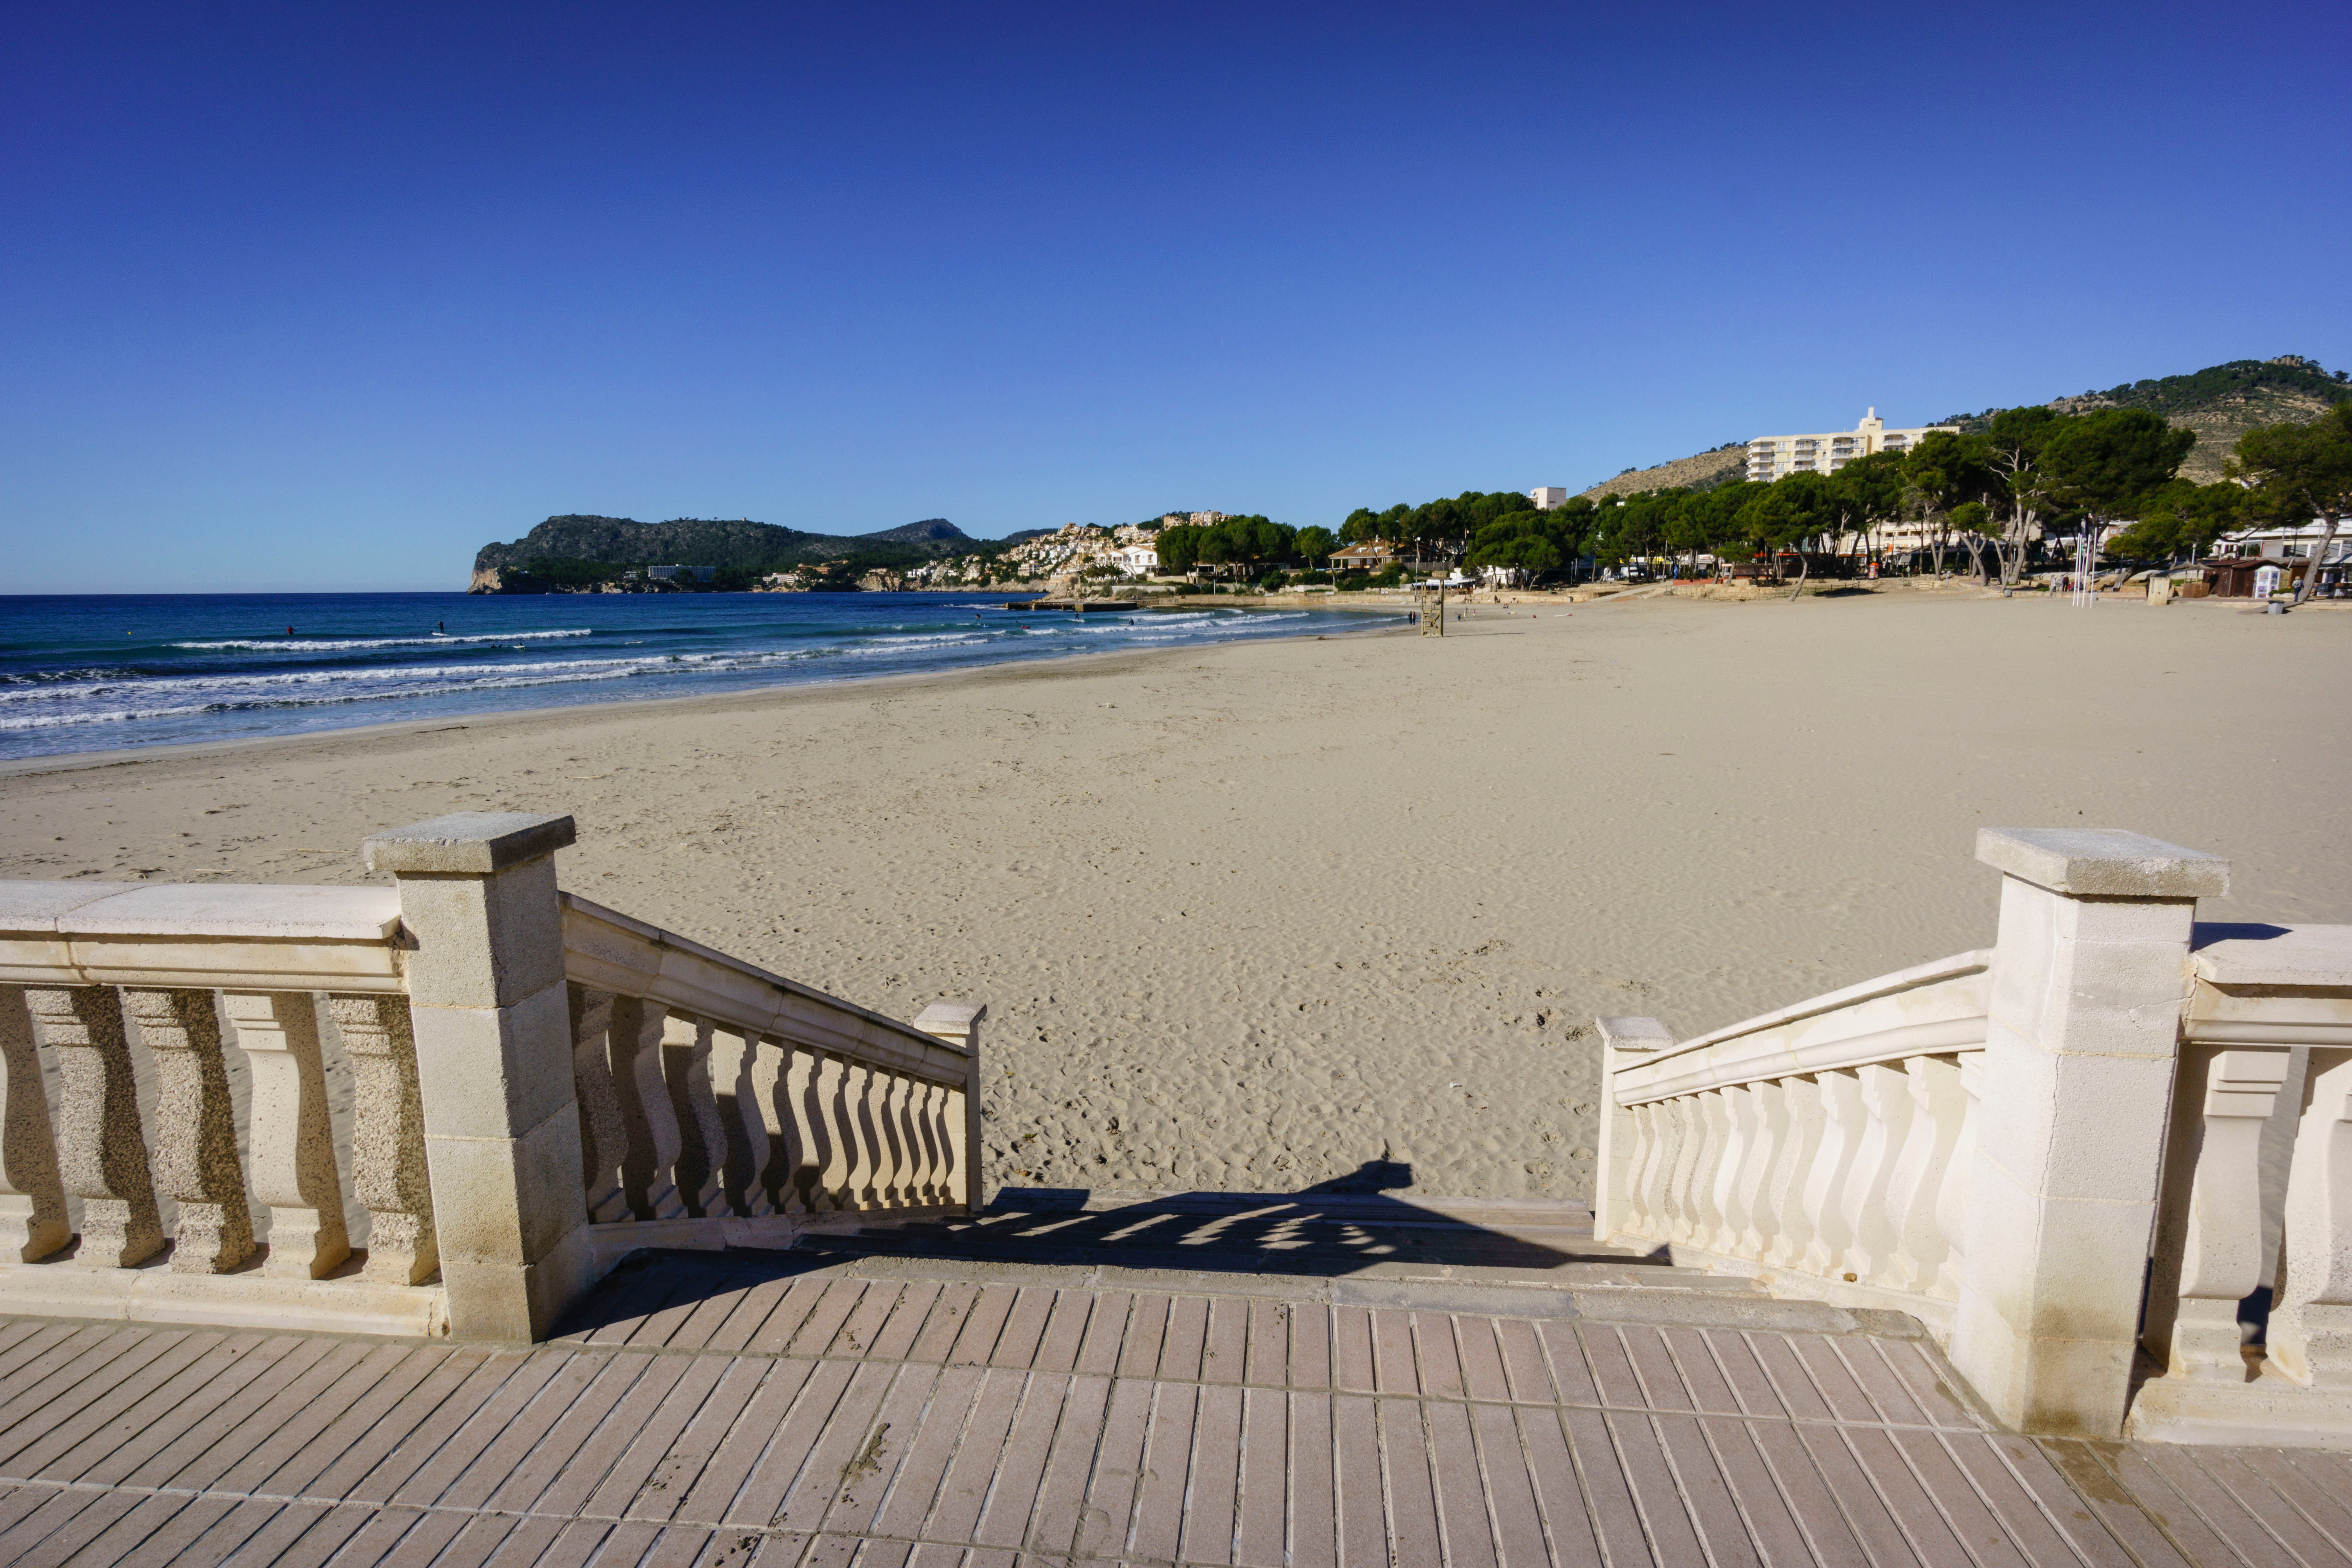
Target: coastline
1250,915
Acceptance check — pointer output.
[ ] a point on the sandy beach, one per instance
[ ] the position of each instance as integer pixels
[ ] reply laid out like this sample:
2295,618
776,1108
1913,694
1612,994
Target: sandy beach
1251,916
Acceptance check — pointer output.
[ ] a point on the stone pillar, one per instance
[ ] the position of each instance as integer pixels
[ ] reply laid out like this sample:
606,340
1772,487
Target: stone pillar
493,1032
2090,975
959,1025
34,1217
1625,1042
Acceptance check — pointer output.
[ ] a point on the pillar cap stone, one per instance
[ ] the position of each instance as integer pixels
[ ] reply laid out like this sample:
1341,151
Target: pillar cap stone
953,1020
1634,1034
467,843
2103,863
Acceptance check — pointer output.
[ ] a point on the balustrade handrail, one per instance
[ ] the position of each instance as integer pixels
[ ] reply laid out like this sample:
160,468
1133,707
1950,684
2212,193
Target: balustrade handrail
243,937
605,950
1952,992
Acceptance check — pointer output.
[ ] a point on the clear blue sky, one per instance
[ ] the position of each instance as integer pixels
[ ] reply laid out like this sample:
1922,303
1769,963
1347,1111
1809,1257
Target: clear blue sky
326,296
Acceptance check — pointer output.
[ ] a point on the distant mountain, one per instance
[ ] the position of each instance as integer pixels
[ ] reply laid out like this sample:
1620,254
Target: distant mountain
710,541
2221,403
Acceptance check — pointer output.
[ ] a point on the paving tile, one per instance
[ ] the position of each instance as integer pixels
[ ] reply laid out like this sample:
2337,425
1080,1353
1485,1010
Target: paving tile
711,1498
689,1293
1358,1489
66,1363
2267,1512
575,1374
2021,1515
895,1338
1460,1486
750,1309
1571,1373
52,1438
423,1540
367,1466
779,1467
1414,1533
1024,1326
847,1433
682,1462
229,1527
19,1499
1829,1537
1883,1538
489,1535
1310,1346
1750,1386
1262,1479
1224,1353
964,1489
1069,1464
1889,1393
654,1434
2083,1524
158,1462
105,1447
1509,1492
1212,1491
1353,1369
95,1377
1167,1462
1185,1337
710,1314
174,1538
328,1537
1655,1368
1013,1492
99,1514
782,1323
944,1323
1396,1369
261,1441
578,1542
2325,1505
1845,1397
622,1313
1065,1330
585,1437
1929,1381
1105,1338
824,1320
923,1451
864,1323
1572,1525
1792,1383
1930,1466
1147,1322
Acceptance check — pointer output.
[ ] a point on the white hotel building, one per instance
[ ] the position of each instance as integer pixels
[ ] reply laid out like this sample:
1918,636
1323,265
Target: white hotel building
1778,457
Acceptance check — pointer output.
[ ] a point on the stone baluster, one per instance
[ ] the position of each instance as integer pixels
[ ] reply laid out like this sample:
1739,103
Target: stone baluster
192,1148
1793,1168
702,1139
388,1167
649,1174
803,1155
35,1220
958,1024
603,1130
1618,1201
1825,1184
2089,983
293,1133
887,1151
1938,1109
1767,1109
2311,1326
1736,1105
900,1192
923,1115
101,1141
860,1134
1685,1137
1952,1192
489,1011
2208,1254
1654,1164
1715,1129
829,1192
736,1080
1870,1233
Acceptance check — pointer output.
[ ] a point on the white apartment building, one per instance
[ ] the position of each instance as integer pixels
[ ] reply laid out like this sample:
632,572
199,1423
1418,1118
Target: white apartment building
1548,498
1778,457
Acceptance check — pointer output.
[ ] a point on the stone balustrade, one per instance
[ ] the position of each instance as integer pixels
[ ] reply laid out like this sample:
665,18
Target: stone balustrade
441,1107
2103,1159
1826,1142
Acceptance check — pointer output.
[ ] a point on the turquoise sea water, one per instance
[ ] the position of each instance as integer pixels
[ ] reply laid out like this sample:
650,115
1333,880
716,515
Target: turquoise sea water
82,673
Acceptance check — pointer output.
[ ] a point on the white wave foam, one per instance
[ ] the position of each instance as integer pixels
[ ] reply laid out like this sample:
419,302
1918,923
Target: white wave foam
343,645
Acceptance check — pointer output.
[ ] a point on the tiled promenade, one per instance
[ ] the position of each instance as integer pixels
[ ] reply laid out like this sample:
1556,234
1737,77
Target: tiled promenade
791,1408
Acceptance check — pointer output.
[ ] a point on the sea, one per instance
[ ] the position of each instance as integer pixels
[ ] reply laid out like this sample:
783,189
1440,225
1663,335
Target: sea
104,672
